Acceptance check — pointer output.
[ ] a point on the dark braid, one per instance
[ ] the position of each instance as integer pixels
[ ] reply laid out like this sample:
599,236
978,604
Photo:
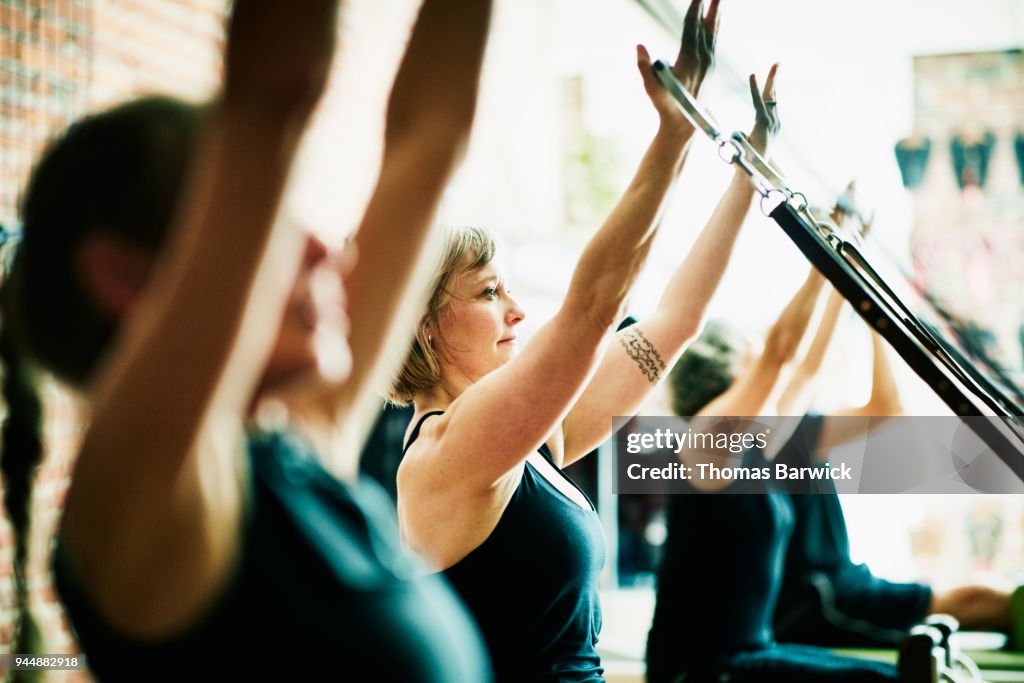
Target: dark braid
21,449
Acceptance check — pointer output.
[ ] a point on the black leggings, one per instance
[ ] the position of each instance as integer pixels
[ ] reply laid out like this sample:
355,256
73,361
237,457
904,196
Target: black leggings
779,664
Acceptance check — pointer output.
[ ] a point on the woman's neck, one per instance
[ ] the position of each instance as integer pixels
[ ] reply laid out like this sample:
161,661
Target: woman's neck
436,398
442,394
452,385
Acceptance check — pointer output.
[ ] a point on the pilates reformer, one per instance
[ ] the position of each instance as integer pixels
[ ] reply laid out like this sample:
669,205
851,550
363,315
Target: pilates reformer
984,403
988,403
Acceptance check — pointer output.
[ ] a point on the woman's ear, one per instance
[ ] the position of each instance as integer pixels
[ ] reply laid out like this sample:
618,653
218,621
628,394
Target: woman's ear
113,272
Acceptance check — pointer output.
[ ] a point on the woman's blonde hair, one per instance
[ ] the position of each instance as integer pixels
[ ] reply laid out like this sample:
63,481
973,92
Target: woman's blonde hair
466,249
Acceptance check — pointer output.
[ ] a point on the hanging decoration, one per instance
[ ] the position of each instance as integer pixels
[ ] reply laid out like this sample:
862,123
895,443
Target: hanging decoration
912,157
970,159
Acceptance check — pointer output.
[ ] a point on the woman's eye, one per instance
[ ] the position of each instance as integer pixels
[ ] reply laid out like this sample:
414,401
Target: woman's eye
491,291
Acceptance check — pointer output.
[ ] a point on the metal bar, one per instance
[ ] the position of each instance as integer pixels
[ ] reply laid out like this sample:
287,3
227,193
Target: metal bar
951,382
687,103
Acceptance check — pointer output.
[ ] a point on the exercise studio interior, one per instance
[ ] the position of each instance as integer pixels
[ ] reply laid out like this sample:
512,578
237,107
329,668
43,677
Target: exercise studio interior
473,341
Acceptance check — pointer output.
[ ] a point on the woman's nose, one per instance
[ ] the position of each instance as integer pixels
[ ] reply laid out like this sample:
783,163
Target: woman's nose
515,313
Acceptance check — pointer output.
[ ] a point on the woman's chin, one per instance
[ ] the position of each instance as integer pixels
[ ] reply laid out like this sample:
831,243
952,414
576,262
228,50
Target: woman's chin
508,348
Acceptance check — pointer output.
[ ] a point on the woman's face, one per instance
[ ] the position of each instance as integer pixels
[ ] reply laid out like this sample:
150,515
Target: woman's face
314,329
477,327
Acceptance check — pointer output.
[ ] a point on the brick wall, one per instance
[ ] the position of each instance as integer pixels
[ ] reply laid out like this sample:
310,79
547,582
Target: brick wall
45,64
168,46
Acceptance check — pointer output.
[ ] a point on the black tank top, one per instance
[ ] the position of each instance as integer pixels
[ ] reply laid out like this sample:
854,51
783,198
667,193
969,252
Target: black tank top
720,574
532,584
321,591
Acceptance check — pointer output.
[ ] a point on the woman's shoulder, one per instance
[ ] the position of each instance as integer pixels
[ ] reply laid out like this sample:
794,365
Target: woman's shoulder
426,423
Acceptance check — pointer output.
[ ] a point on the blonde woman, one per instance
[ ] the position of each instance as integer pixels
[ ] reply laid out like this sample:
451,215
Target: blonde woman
481,492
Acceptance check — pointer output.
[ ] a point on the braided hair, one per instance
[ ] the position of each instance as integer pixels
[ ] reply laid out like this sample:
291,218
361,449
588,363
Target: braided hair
20,437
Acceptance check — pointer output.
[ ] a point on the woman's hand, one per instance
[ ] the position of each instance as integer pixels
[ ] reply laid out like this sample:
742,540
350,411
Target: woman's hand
694,61
766,123
847,208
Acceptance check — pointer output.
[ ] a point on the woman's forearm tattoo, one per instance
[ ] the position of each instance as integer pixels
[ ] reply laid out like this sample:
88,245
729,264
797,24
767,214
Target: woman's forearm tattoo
643,353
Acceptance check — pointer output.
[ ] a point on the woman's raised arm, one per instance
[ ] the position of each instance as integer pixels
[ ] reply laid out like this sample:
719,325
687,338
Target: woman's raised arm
158,466
511,411
751,391
630,370
430,114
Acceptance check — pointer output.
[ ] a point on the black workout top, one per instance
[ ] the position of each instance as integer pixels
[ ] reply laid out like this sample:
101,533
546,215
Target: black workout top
820,551
532,584
719,575
321,590
819,538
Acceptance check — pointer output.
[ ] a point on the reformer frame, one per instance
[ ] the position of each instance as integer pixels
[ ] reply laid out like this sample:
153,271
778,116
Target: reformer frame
840,257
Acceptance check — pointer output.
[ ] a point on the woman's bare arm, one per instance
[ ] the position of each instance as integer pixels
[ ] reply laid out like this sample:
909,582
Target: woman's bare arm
430,114
154,504
630,370
883,404
510,412
751,390
799,390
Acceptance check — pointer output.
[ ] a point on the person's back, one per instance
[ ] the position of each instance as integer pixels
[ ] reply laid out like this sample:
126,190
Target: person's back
725,550
826,598
718,578
317,554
